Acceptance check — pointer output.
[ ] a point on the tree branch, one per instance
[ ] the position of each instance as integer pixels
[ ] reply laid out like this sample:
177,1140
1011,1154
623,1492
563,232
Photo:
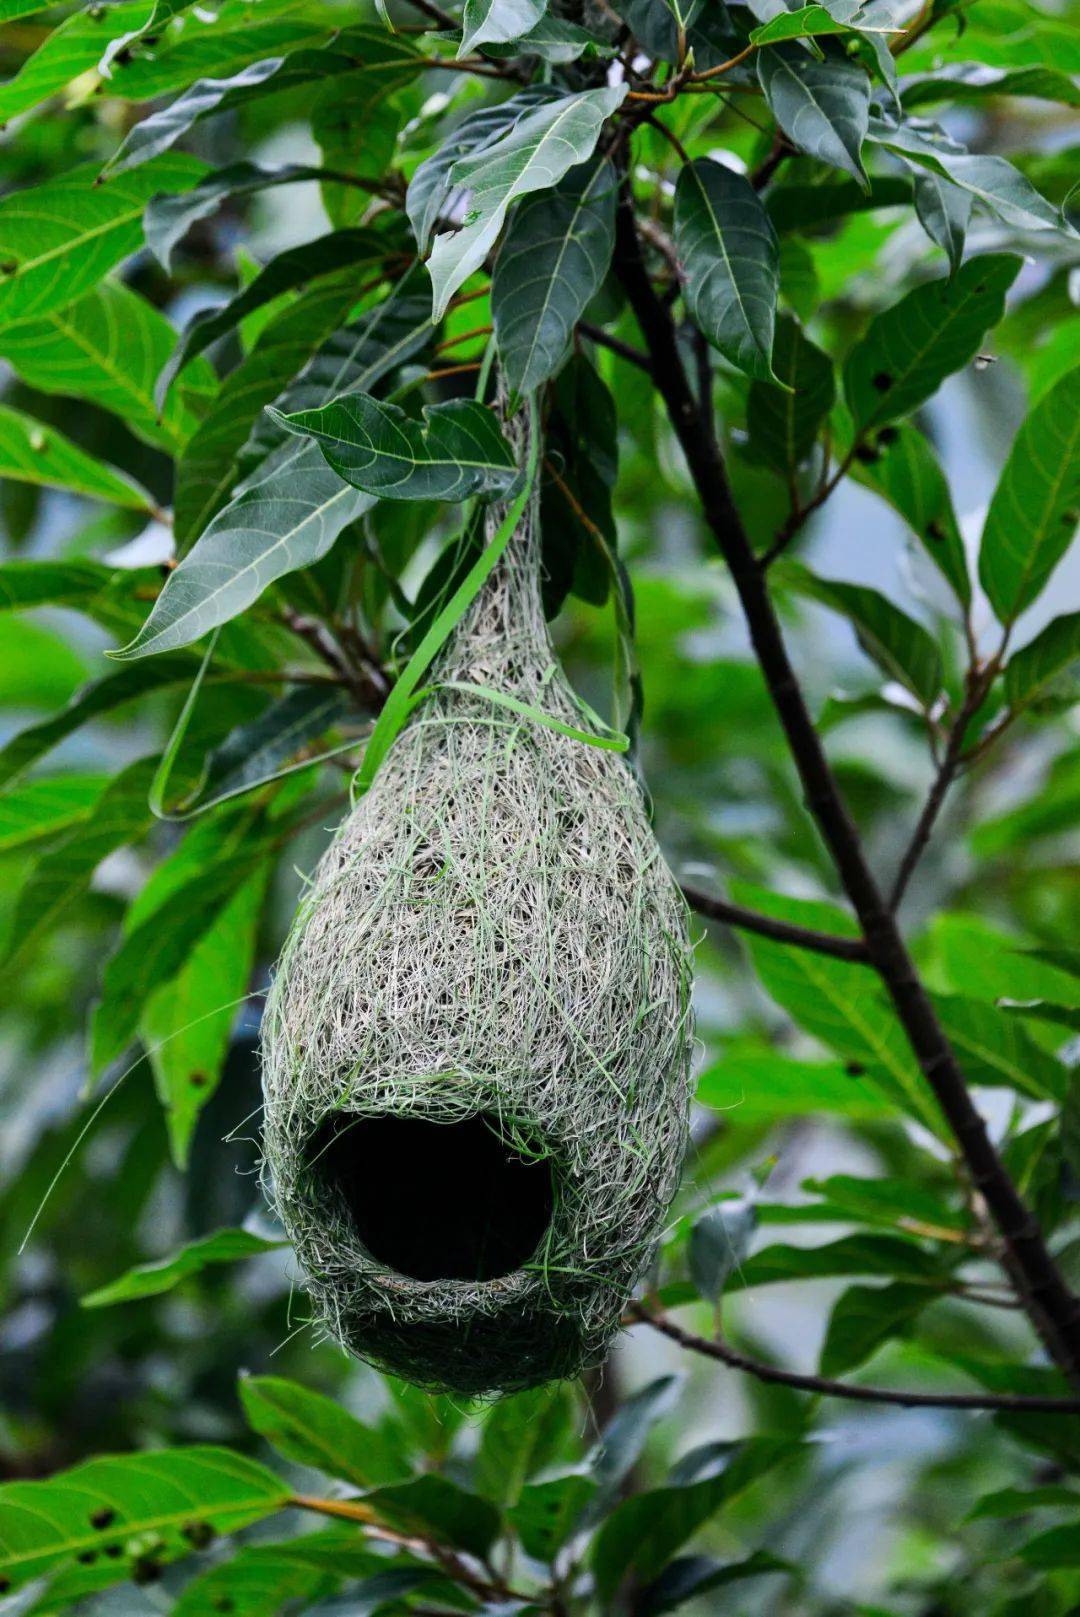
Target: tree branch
1052,1307
951,760
803,937
824,1386
624,349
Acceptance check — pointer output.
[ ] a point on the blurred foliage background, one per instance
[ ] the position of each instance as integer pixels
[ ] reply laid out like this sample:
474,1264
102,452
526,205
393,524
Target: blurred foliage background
823,1203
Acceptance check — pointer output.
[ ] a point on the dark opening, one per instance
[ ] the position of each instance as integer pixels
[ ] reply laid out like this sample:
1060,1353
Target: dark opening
436,1201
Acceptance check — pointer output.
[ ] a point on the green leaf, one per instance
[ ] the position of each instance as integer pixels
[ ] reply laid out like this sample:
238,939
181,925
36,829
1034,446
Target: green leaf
152,953
804,23
581,461
864,1318
692,1576
121,814
369,57
887,1201
1035,508
59,238
1057,1547
31,452
1006,1502
936,329
851,1255
431,188
547,1513
100,697
151,1279
728,249
783,422
521,1435
758,1087
1048,654
43,808
262,1580
455,452
108,348
822,107
839,1003
944,210
900,646
993,1048
642,1533
212,463
533,156
972,82
438,1507
164,1498
624,1437
808,205
289,514
186,1027
497,21
341,249
719,1242
313,1430
901,466
990,180
274,743
168,218
72,48
555,255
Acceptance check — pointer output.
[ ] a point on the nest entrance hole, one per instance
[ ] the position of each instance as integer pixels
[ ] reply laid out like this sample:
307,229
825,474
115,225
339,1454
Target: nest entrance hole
435,1201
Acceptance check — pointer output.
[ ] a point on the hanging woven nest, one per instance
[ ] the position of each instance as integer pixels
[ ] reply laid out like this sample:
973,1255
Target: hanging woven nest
476,1045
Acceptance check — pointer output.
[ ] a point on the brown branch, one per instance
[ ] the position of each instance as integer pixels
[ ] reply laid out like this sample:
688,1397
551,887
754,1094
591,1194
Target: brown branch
718,909
1049,1302
824,1386
946,773
624,349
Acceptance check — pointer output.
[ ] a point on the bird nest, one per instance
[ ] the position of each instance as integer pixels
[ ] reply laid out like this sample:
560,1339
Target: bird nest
475,1050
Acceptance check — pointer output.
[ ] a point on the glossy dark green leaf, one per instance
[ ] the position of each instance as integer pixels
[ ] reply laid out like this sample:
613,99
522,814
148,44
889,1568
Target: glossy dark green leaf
864,1318
691,1577
533,155
547,1513
816,199
581,460
311,1429
556,253
487,22
901,647
901,466
1035,509
944,212
822,107
341,249
1048,654
719,1242
625,1436
990,180
367,55
728,249
455,452
434,1505
522,1435
641,1534
860,1254
936,329
783,422
168,218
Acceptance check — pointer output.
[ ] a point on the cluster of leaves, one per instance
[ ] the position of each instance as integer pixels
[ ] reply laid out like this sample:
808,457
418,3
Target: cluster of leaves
225,547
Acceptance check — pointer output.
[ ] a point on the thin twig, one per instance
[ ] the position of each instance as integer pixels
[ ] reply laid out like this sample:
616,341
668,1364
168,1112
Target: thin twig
736,915
978,683
1051,1305
824,1386
624,349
